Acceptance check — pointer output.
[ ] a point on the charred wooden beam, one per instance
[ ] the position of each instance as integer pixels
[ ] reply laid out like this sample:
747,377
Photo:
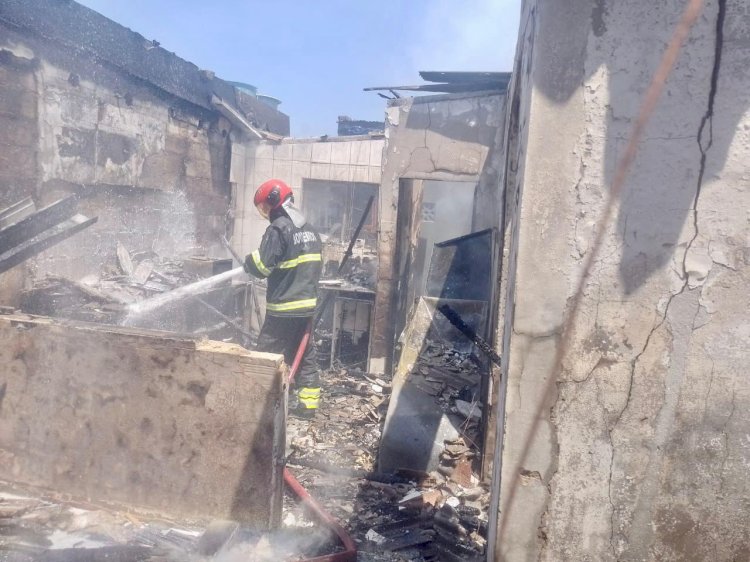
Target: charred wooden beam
16,212
33,225
43,240
455,319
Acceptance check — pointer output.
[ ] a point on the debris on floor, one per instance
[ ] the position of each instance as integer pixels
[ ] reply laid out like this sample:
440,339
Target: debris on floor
135,276
397,516
400,515
453,377
437,388
36,529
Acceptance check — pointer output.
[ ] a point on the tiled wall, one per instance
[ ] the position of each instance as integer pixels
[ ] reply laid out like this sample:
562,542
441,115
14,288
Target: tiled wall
290,161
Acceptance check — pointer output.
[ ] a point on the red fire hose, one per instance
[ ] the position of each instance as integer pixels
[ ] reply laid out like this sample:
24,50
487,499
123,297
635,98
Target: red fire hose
350,552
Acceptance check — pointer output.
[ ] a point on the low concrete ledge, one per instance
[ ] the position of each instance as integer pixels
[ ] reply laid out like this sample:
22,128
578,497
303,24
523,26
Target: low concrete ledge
171,425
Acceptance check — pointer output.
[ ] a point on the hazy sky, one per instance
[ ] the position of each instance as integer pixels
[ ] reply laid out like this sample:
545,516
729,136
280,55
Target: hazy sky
317,55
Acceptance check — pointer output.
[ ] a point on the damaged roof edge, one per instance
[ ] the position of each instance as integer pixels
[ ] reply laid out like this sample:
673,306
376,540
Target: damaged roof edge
462,76
444,97
235,117
454,83
346,138
271,138
84,30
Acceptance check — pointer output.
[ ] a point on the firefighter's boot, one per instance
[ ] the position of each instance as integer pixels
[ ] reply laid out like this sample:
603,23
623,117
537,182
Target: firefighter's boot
308,400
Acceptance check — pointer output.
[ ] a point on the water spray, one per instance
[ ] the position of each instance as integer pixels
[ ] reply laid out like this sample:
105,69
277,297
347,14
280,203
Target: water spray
138,309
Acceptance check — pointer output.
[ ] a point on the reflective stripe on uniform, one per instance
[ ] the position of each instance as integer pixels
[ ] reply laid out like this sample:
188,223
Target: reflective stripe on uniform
309,397
291,305
304,258
259,263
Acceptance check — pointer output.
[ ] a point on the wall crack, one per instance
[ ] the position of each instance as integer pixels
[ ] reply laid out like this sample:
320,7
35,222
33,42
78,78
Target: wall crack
705,137
705,141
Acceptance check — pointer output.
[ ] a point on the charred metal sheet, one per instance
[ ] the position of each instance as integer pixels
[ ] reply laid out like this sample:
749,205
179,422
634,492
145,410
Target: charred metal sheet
455,77
489,87
456,82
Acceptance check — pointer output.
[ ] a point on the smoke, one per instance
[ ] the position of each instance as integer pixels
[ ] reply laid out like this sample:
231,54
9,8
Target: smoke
176,236
473,35
288,543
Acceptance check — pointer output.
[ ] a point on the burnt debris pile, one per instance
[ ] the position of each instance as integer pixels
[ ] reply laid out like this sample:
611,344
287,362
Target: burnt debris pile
403,514
109,296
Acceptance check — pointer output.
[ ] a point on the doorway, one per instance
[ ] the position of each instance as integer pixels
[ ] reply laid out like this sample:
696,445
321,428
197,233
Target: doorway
430,212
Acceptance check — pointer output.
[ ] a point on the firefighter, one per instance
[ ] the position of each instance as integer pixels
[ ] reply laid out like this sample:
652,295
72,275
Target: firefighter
290,258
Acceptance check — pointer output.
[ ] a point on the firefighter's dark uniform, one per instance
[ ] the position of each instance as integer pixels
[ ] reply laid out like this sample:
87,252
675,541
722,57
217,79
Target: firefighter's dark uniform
290,258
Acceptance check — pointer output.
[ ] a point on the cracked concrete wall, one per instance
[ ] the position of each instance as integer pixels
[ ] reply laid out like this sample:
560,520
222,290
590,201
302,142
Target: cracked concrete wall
442,137
153,167
175,426
642,453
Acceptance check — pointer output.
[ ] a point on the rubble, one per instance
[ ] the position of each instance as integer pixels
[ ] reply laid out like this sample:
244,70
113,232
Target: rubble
133,279
400,515
54,530
404,515
103,297
436,367
454,379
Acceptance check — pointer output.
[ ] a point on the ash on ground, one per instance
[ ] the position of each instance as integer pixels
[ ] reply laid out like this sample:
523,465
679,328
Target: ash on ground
407,515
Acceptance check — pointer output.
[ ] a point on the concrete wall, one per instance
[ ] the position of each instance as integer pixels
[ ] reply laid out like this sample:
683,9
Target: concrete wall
642,452
75,28
155,171
92,108
174,426
352,159
445,137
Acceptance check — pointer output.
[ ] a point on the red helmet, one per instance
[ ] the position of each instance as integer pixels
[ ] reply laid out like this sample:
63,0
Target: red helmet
271,195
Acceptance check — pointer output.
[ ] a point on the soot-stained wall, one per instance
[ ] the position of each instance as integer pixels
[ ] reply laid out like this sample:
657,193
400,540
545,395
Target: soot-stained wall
129,129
